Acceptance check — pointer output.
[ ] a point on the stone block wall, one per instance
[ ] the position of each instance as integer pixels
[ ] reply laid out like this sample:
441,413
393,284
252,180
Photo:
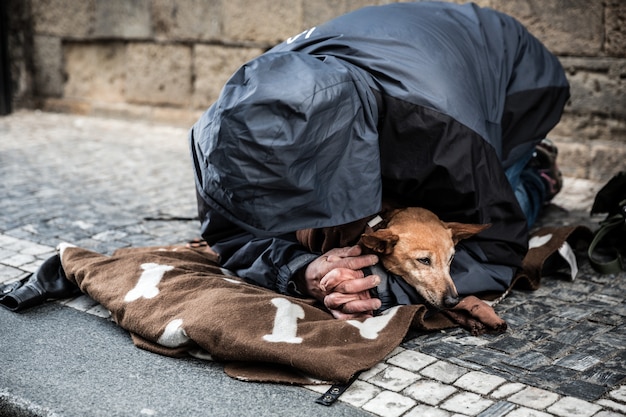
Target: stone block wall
167,60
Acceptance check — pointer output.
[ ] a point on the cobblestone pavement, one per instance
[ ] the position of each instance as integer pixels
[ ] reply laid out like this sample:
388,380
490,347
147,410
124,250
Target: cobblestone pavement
104,184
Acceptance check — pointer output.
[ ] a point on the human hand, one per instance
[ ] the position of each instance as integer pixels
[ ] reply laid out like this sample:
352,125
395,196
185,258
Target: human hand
336,279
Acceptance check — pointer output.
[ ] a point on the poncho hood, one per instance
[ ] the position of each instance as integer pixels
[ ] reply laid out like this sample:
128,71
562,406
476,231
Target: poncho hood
291,143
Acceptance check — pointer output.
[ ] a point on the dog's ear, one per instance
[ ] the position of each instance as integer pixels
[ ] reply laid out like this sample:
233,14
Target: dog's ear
462,231
381,241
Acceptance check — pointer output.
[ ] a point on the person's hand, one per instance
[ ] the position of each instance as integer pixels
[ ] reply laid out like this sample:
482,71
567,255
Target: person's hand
336,279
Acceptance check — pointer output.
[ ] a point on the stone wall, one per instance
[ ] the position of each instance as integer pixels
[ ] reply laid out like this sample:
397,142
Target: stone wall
166,60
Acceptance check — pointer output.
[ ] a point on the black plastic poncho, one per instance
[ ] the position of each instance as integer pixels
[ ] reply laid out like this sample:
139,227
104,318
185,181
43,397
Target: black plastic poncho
426,103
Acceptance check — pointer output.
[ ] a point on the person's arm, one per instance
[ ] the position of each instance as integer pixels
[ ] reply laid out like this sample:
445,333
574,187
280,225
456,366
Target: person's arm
267,262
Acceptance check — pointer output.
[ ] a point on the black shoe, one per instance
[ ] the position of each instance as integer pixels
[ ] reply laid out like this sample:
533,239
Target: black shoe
48,282
544,160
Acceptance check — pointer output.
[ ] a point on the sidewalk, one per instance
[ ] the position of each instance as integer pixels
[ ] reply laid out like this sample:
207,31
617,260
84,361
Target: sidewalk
103,184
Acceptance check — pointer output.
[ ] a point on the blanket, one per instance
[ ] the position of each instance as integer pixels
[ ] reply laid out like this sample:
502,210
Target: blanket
178,301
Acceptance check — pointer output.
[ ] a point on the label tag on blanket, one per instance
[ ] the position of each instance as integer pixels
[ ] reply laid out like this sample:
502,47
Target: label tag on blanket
334,392
375,221
567,253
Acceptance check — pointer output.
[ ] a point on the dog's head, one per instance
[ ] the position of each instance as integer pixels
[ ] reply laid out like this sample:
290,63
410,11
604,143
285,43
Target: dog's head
419,247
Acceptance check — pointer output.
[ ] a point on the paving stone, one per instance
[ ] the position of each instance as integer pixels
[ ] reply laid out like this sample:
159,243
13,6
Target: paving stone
429,392
109,236
605,299
466,340
143,239
81,303
467,403
484,356
442,350
508,372
7,241
35,249
498,409
534,333
556,324
578,361
608,414
613,338
443,372
614,291
527,412
573,407
479,382
581,389
422,410
584,286
507,390
393,378
529,311
528,360
359,392
566,294
553,349
604,279
389,404
619,394
511,344
582,332
394,352
33,266
5,253
411,360
513,321
534,398
18,260
370,373
465,364
551,376
575,312
9,273
612,405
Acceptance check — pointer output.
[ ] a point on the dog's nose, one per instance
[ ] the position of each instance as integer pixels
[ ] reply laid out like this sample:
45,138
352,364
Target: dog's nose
451,300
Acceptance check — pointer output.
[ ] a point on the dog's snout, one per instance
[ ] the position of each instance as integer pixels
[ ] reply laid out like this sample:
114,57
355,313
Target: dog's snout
451,299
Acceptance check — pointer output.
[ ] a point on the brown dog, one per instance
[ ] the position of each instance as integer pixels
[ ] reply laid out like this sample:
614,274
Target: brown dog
419,247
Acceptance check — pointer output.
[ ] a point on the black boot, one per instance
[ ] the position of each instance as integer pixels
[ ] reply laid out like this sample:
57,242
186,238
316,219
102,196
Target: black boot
48,282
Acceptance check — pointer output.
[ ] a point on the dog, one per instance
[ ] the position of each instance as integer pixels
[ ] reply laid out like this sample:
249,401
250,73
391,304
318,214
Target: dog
419,247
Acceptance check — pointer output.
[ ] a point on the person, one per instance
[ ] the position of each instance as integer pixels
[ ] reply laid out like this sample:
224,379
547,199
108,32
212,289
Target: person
437,105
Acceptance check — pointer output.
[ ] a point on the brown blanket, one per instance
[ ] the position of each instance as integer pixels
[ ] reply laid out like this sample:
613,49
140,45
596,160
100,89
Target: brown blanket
177,301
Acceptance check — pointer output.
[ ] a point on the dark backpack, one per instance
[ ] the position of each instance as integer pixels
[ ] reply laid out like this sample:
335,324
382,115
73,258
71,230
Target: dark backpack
607,250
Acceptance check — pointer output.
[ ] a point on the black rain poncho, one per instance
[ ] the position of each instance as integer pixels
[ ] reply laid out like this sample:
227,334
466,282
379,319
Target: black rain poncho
425,103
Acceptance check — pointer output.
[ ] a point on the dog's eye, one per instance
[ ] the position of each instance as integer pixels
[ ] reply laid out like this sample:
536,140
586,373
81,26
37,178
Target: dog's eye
424,261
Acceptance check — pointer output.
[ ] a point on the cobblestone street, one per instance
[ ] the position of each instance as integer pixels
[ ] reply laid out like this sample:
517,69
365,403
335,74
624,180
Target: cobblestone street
103,184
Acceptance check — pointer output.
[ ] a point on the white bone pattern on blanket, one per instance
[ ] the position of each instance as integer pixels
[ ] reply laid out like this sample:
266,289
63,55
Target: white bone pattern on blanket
286,322
370,328
174,335
147,285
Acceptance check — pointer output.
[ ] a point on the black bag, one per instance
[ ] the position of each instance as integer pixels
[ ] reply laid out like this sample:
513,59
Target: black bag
608,247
